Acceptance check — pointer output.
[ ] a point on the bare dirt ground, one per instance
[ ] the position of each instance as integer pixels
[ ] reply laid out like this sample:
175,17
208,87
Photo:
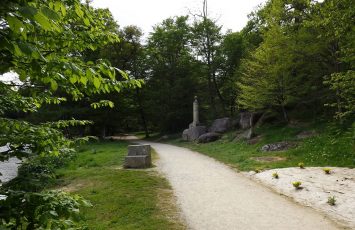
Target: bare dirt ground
213,196
317,187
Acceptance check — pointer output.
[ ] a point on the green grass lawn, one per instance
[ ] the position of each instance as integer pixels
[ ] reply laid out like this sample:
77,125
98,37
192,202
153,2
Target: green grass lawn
122,199
325,149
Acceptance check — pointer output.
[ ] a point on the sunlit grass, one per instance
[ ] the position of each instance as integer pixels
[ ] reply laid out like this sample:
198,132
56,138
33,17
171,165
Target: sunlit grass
320,150
122,199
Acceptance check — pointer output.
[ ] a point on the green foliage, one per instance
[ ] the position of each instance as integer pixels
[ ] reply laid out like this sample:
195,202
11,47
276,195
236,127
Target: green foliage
122,199
331,200
317,151
172,79
44,43
301,165
275,175
297,184
327,170
343,84
45,210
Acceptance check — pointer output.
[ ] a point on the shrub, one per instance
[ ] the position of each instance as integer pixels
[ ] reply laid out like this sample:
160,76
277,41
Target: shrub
44,210
275,175
297,184
327,170
301,165
331,200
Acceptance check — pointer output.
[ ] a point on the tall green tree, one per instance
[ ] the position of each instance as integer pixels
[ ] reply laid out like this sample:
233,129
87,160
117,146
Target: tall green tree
207,37
43,42
334,23
172,79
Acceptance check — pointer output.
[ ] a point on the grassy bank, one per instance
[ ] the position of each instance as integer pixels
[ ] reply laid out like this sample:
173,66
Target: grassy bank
327,148
122,199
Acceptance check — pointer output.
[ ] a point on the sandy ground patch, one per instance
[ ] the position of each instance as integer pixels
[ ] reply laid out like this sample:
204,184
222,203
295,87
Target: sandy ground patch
212,196
317,187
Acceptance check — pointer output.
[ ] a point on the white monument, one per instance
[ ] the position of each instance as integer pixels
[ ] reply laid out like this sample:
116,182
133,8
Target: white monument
195,128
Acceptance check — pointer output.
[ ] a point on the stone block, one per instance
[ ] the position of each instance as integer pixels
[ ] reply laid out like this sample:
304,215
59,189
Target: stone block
139,156
140,161
138,150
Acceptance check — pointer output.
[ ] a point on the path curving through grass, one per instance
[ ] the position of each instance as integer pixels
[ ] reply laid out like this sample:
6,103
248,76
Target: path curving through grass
213,196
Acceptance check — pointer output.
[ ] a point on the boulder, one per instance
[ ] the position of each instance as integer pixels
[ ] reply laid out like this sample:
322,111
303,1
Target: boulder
245,120
246,135
193,133
208,137
185,135
278,146
221,125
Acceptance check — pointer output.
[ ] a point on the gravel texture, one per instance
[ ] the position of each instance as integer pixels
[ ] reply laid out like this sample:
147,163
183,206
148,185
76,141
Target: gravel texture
213,196
317,187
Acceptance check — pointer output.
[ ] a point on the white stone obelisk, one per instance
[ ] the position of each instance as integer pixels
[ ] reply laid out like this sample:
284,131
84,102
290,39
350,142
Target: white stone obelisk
195,120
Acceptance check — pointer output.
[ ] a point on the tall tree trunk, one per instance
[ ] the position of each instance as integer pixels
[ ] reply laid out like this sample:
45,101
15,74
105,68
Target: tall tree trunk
218,93
284,112
142,114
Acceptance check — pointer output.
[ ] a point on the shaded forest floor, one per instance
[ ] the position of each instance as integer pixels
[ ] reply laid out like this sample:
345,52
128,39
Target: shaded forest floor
121,199
329,147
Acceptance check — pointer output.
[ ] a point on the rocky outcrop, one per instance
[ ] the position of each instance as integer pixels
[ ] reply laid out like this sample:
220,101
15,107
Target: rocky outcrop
278,146
193,133
245,135
221,125
208,137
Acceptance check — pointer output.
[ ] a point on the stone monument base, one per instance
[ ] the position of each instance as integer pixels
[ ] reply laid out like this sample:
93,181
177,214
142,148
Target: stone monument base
193,133
138,156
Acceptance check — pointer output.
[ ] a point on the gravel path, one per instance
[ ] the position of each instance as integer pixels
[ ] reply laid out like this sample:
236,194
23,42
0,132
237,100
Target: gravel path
213,196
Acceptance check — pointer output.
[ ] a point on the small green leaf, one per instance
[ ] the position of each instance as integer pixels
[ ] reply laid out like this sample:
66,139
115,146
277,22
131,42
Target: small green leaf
43,21
25,48
73,79
83,80
49,13
28,11
86,21
17,50
15,24
54,85
57,6
79,11
97,82
110,103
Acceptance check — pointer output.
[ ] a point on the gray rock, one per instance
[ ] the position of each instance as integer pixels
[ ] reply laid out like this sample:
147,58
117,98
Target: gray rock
139,156
185,135
138,150
193,133
221,125
306,134
278,146
245,120
246,135
208,137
